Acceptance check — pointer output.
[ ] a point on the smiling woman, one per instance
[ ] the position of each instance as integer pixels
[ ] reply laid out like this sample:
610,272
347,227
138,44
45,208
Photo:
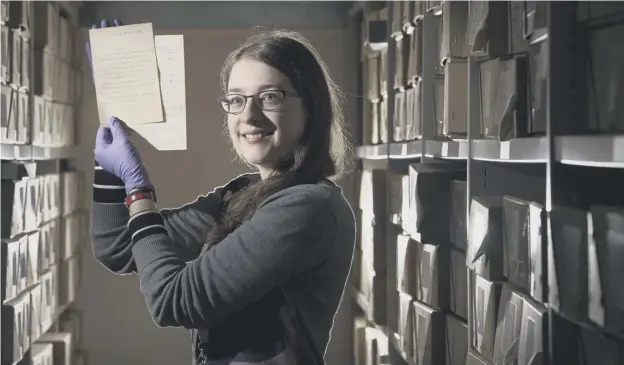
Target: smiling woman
256,268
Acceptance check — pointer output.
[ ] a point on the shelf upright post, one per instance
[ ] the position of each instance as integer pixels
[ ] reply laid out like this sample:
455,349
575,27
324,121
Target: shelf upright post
474,131
559,93
390,70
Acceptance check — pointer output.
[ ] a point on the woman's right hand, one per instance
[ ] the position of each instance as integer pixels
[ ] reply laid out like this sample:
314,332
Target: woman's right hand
103,24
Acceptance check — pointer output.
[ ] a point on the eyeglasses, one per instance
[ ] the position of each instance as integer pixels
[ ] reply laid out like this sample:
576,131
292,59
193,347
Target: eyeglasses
269,100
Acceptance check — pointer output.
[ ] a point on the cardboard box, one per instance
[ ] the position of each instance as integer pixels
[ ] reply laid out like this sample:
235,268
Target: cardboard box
537,223
32,277
10,268
567,258
508,325
23,118
605,238
414,54
10,127
42,354
439,106
473,358
429,334
458,222
516,241
407,12
71,321
72,185
373,191
429,188
407,264
49,297
32,203
383,72
22,269
532,332
488,35
454,22
413,103
38,120
458,284
377,308
61,346
359,339
5,64
26,63
503,98
538,76
69,279
456,340
374,240
456,97
407,341
485,303
399,121
370,124
372,80
13,223
15,331
397,24
401,62
383,121
395,199
16,52
377,351
35,312
485,243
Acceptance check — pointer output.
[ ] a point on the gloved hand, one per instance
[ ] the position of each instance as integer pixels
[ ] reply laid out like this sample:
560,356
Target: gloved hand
103,24
115,154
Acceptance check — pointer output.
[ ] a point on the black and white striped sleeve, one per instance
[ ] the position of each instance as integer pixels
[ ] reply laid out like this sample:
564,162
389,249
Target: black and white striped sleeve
107,188
146,223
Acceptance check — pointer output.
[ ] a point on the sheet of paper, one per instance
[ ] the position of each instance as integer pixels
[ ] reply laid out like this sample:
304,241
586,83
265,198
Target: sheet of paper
125,74
170,135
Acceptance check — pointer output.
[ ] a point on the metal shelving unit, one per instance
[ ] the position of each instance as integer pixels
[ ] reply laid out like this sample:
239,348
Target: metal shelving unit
567,166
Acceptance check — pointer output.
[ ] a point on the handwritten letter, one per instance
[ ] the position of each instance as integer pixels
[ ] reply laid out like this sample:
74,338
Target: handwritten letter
125,74
170,135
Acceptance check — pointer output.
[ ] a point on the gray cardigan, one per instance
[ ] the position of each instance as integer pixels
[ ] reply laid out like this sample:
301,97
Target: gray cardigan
300,239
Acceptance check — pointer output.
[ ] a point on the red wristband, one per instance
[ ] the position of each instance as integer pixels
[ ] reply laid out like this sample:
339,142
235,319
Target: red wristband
138,195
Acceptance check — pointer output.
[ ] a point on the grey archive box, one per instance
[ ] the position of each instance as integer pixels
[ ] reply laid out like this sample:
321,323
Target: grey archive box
454,23
532,348
473,358
516,241
485,244
429,333
567,276
458,222
5,57
456,340
487,35
429,186
15,331
508,325
485,299
504,98
606,254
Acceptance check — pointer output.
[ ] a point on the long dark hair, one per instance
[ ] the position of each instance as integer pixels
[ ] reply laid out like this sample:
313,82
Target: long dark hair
323,151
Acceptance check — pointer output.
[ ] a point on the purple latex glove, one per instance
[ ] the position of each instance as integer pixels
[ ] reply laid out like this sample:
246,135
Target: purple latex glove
103,24
115,154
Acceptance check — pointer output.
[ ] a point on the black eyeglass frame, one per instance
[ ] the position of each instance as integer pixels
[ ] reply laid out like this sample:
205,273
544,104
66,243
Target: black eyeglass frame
284,94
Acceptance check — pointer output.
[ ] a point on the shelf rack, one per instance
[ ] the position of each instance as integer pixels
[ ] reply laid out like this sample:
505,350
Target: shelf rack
568,165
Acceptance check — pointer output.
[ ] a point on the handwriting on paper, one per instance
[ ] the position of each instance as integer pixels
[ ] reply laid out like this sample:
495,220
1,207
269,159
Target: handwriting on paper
125,74
170,135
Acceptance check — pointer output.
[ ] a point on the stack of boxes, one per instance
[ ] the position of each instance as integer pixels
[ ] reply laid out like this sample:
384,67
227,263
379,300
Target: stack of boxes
43,222
40,255
431,275
39,74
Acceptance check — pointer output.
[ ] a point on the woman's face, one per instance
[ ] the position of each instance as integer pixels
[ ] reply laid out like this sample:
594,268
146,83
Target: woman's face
263,135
